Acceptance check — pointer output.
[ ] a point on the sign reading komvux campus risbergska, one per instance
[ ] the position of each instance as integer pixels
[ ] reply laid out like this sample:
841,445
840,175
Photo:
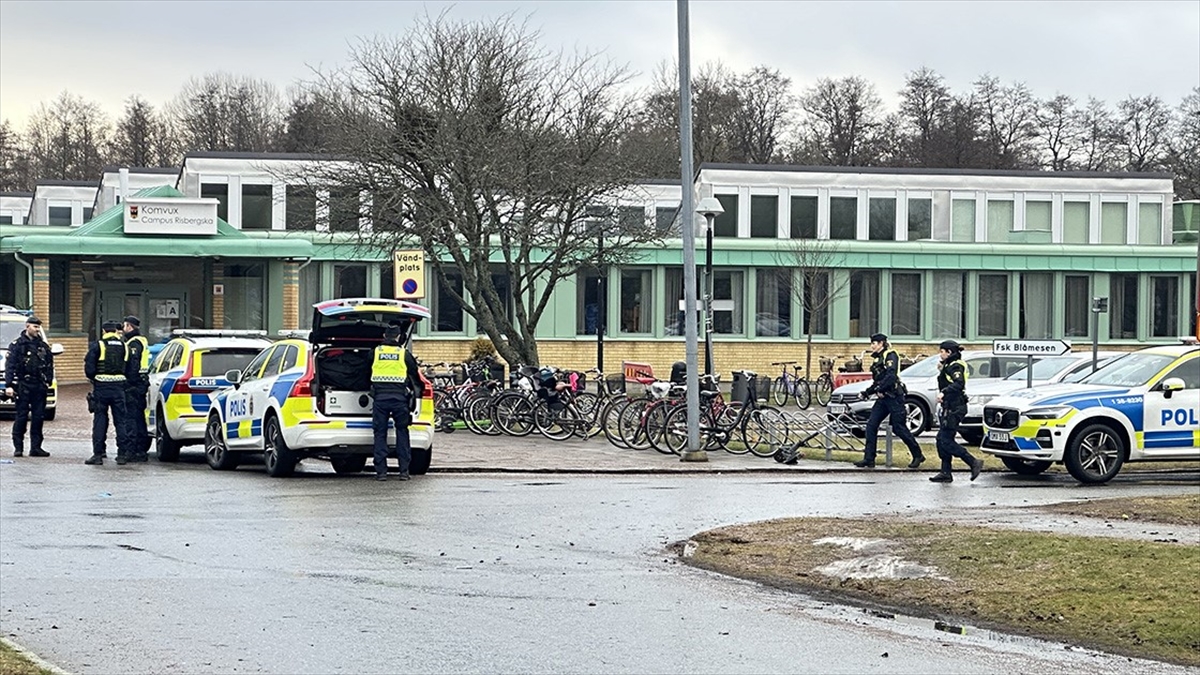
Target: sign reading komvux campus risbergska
171,216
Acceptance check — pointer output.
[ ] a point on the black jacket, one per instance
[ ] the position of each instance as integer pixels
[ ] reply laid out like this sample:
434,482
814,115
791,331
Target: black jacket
886,371
30,363
91,362
952,383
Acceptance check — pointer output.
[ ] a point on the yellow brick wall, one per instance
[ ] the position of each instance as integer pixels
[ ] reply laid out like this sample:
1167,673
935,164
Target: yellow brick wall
41,289
75,298
68,366
291,295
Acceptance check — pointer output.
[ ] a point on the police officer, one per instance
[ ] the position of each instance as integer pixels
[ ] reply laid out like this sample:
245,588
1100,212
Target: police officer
885,369
107,365
952,397
28,376
396,387
136,389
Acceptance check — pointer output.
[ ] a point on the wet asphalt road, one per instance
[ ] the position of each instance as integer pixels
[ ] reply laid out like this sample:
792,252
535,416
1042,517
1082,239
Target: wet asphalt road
158,568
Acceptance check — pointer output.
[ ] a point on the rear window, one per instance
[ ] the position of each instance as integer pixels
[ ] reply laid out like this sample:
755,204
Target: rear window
216,364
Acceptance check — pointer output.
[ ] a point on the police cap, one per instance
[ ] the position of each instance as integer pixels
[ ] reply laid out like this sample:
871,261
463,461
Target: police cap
110,326
132,321
33,320
879,337
392,332
950,346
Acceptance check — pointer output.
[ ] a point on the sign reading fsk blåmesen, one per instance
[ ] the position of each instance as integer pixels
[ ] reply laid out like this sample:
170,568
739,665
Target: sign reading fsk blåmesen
171,216
409,269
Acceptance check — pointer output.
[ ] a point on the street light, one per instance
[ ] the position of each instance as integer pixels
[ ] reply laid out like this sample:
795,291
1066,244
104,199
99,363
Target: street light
710,208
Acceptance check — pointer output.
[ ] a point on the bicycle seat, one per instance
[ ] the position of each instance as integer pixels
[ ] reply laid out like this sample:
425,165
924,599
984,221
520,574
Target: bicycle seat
645,380
704,394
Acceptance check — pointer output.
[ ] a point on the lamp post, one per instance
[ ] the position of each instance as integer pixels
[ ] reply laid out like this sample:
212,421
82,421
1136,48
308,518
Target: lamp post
1099,306
710,208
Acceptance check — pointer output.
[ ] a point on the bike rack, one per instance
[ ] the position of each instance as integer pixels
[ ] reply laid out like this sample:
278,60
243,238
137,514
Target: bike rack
817,431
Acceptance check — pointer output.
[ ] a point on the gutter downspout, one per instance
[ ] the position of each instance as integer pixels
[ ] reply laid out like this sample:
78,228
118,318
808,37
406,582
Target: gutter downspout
29,276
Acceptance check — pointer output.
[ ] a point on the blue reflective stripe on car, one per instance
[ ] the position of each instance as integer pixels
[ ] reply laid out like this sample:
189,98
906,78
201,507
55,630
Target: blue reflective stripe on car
1023,443
1168,439
283,387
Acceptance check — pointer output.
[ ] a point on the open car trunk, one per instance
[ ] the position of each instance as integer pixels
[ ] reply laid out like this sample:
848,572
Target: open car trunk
343,379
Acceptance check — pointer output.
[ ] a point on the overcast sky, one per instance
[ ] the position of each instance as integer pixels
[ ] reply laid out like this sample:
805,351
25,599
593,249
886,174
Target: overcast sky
106,51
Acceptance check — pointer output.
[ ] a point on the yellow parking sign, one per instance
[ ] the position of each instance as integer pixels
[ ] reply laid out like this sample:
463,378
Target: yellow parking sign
409,267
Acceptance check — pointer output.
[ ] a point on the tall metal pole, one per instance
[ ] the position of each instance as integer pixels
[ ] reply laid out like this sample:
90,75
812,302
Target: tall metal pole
601,297
687,220
708,294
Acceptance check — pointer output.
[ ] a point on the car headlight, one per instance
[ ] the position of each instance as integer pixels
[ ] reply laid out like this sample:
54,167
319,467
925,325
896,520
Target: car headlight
982,400
1048,413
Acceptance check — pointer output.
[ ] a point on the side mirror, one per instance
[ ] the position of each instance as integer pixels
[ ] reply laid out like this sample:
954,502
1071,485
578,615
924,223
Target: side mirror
1172,385
56,349
234,377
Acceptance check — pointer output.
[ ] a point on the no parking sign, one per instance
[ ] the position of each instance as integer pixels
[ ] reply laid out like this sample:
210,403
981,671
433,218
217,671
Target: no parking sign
409,267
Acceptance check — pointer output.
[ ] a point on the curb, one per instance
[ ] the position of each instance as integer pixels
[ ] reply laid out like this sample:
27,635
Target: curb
33,658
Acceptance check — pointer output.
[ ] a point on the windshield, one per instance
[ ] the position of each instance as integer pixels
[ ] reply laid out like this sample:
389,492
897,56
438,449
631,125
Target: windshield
9,330
926,368
1045,369
1133,370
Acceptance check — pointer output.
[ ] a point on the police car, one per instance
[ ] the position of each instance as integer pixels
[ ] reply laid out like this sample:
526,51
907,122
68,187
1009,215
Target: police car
1141,407
12,324
184,371
310,397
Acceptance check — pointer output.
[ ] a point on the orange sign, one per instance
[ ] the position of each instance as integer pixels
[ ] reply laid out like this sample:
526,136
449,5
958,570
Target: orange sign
637,371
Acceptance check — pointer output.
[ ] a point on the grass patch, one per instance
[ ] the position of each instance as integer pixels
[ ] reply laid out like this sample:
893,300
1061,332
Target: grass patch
1173,510
1129,597
13,663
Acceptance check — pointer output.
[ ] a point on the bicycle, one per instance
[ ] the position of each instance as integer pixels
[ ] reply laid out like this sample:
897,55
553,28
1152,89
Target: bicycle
823,385
791,385
763,430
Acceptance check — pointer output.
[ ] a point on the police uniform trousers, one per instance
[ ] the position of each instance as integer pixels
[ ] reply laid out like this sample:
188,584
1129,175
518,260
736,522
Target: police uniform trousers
947,446
110,397
394,407
891,406
31,411
135,414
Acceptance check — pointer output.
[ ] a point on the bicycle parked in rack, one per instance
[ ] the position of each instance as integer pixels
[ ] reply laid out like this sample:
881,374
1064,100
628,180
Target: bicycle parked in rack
791,385
823,385
762,430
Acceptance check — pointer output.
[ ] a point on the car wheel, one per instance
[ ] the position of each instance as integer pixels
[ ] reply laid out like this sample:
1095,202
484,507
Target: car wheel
971,437
1025,467
50,412
1095,454
419,464
278,458
166,447
216,452
916,416
349,463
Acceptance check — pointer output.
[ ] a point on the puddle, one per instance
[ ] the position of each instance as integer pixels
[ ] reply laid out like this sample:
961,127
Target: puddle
877,564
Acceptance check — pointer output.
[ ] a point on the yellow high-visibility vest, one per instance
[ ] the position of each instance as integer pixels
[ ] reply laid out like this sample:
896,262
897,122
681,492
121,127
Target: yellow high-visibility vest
389,364
144,366
110,367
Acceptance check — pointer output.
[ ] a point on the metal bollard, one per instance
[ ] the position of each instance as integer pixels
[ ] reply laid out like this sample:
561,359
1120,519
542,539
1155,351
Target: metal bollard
888,446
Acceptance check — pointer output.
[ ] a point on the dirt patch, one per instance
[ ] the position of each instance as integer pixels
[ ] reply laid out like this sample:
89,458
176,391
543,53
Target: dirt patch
13,662
1129,597
1174,510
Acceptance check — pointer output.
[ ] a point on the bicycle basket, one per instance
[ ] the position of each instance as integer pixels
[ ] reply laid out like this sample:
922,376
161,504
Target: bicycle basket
615,384
826,364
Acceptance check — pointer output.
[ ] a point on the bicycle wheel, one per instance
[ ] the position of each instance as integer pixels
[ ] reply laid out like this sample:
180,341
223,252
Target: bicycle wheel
764,431
803,393
824,389
632,425
557,425
610,421
587,405
514,413
675,430
779,390
656,424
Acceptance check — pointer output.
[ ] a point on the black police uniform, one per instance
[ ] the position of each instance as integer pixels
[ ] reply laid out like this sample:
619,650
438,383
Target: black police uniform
885,369
136,388
952,383
29,373
394,400
107,366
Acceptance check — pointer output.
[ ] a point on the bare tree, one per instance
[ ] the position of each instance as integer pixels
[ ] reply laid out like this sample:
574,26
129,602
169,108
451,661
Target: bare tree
224,112
1184,155
841,118
1099,144
14,162
68,139
486,151
142,137
925,101
1060,131
1007,117
309,123
1143,132
820,286
764,102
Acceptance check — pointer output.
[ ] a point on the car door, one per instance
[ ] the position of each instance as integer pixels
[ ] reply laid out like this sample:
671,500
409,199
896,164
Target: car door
258,393
163,363
239,410
1169,425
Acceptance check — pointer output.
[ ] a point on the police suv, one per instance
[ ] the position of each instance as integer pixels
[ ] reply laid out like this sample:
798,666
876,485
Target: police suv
1141,407
184,371
310,397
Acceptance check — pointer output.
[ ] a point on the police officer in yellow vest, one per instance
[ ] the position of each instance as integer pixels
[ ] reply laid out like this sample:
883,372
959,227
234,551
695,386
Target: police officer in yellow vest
396,387
885,369
107,366
136,388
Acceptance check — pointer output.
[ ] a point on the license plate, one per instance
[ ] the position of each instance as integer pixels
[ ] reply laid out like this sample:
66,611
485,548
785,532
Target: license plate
998,436
837,409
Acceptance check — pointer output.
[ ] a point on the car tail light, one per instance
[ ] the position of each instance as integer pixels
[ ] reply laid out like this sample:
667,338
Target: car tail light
303,386
183,384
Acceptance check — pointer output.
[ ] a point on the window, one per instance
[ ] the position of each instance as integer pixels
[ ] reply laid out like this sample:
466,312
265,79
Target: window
673,318
1077,306
276,358
343,210
1165,302
665,220
864,303
387,281
6,220
1076,222
310,292
60,215
1194,314
843,217
301,211
1123,306
349,281
635,301
773,303
815,302
728,307
804,218
290,358
999,220
587,303
993,305
949,304
631,219
881,212
962,220
1149,224
764,216
1189,372
906,304
87,213
1038,215
445,306
920,219
1037,305
220,192
252,370
725,225
163,362
1113,219
245,298
256,207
